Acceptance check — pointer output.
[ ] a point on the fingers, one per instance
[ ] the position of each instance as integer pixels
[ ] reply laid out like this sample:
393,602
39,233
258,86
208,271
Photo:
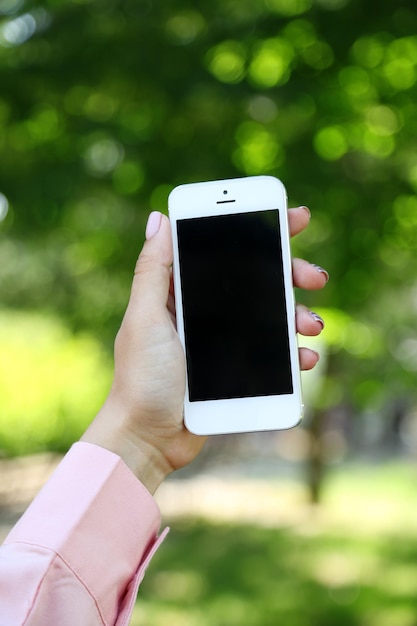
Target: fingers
307,275
307,322
152,285
298,219
151,282
310,324
308,358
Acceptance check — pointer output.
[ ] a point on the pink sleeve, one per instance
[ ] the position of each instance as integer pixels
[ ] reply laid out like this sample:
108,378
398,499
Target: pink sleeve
79,552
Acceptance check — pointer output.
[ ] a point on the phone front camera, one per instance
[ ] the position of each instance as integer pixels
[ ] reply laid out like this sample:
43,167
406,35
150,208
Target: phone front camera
225,191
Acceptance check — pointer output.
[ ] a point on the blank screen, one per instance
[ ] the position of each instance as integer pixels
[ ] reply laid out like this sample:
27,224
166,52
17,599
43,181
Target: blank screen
235,319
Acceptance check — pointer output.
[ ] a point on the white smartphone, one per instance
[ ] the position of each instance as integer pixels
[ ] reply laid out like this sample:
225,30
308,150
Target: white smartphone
235,305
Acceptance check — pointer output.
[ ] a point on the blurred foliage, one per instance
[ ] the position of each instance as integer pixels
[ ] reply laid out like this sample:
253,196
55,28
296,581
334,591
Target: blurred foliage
353,563
105,105
51,383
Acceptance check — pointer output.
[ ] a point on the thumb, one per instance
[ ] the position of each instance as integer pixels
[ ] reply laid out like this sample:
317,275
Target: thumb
152,273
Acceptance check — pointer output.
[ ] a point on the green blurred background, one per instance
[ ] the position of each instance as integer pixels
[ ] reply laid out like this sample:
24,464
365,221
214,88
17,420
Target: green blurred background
105,106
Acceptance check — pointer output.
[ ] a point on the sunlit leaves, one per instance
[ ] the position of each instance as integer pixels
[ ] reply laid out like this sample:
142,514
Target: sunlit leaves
405,229
159,197
45,124
331,143
395,60
102,155
400,63
372,130
312,50
227,61
51,382
100,106
106,105
300,33
258,150
185,26
268,65
378,145
94,104
412,176
289,7
139,119
357,84
368,51
400,73
271,63
356,337
319,55
128,177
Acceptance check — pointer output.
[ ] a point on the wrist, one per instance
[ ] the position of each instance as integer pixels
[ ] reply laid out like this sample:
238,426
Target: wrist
144,460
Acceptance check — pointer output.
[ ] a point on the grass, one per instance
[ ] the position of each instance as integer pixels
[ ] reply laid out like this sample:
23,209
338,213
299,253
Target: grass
352,562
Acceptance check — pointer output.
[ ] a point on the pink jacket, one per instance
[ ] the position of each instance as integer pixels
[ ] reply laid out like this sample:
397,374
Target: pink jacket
80,551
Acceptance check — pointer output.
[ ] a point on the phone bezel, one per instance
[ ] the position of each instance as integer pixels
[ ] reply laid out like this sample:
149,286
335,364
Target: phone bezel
250,414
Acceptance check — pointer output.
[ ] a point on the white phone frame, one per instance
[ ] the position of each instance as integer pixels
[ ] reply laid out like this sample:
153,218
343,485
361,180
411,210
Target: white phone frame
237,415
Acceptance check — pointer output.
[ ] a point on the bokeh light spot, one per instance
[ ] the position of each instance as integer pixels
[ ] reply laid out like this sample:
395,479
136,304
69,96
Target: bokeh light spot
400,73
45,124
100,107
184,27
330,143
368,51
300,33
128,177
382,120
271,62
356,83
262,109
18,30
226,62
289,7
406,353
159,198
412,175
103,156
405,209
319,55
258,150
8,7
332,5
377,145
4,207
358,339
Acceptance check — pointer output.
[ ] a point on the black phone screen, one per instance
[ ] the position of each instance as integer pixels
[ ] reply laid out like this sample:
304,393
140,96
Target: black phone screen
235,318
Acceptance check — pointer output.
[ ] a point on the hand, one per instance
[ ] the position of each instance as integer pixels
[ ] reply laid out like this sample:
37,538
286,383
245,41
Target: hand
142,418
306,276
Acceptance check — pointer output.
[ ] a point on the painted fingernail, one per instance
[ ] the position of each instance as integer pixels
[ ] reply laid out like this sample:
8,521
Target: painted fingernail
154,222
322,271
306,209
317,318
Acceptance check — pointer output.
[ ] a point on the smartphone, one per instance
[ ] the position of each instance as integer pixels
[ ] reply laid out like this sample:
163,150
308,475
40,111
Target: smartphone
235,305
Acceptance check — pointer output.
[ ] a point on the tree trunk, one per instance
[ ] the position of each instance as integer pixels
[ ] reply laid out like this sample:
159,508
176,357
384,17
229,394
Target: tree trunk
315,459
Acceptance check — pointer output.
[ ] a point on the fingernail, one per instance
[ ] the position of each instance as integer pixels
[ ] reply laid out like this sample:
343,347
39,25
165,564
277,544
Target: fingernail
306,209
317,318
154,222
322,271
